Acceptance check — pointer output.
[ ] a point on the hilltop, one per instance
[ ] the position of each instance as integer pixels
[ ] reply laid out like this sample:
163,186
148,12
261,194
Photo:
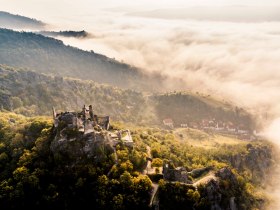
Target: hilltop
8,20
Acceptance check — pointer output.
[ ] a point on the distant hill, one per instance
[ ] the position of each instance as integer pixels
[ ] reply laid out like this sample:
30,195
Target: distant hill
185,108
214,13
12,21
75,34
49,55
30,93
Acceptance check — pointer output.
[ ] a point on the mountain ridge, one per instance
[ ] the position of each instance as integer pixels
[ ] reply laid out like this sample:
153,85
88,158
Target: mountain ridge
49,55
8,20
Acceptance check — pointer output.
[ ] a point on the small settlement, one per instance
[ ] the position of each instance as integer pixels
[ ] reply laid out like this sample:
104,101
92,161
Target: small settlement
214,126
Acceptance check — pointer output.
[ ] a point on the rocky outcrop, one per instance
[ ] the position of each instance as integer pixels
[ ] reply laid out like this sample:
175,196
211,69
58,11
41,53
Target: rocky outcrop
257,159
219,191
214,195
226,174
73,146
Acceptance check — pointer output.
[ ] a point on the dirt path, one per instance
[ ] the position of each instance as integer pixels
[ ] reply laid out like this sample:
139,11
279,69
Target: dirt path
148,168
205,179
154,192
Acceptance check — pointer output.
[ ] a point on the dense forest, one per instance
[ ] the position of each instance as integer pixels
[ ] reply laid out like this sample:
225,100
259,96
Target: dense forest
31,94
49,55
33,175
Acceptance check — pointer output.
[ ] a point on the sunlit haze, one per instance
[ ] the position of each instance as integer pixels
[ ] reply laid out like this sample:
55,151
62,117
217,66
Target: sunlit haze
232,52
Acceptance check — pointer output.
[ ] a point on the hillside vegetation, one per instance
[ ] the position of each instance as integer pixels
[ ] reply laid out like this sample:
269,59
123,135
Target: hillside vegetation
34,176
185,107
30,93
51,56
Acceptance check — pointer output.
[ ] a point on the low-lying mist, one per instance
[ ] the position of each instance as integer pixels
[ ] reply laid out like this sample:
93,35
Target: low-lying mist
238,61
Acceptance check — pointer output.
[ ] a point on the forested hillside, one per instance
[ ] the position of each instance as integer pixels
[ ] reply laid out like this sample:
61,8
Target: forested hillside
36,176
32,94
49,55
79,130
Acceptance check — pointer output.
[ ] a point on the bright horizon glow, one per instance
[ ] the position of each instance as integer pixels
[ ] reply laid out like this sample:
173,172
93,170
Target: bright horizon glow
43,8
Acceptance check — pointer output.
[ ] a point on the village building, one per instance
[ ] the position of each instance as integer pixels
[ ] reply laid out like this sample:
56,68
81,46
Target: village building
169,123
184,125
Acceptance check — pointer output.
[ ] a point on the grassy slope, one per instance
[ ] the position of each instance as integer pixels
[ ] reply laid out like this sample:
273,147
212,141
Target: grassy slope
199,138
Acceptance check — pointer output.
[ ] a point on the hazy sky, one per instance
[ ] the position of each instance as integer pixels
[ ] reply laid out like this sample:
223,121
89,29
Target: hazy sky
56,7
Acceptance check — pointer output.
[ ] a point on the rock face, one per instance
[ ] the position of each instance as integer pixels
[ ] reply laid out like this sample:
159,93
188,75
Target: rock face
257,159
80,136
179,174
213,194
226,174
219,191
84,135
79,147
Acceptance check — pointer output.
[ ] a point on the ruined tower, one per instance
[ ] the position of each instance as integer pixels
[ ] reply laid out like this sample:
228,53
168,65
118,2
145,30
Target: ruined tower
90,112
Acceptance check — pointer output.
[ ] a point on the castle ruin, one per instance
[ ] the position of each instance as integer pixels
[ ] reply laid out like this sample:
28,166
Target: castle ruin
178,174
85,121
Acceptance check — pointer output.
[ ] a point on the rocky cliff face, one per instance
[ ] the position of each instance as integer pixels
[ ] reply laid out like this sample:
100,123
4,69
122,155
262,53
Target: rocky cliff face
73,146
257,162
219,192
228,191
257,159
